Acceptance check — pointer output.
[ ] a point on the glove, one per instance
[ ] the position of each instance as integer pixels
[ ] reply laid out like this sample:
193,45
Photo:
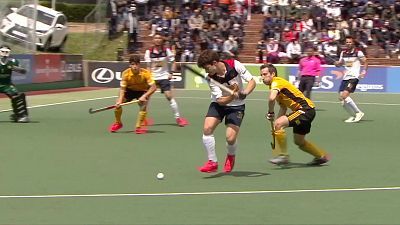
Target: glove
270,116
242,95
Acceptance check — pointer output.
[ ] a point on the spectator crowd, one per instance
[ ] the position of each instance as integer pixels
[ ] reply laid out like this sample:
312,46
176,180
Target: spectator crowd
289,26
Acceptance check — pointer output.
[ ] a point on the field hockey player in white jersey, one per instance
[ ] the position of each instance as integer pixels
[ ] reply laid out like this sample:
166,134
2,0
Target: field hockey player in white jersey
160,60
352,58
224,105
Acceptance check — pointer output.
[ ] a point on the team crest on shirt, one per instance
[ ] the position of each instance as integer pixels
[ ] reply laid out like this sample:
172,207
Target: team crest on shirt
297,122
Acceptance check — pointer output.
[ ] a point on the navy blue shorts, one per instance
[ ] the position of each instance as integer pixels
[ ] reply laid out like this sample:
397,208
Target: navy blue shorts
232,114
348,85
164,85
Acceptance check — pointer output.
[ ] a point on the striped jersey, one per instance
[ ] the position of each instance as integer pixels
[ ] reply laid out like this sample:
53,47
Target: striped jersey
136,82
289,95
235,74
352,63
159,60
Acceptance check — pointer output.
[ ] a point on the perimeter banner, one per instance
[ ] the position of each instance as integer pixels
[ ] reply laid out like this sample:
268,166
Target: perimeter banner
109,74
47,68
378,79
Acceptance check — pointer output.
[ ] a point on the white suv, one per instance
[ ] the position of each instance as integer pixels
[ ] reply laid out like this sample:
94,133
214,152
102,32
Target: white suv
51,27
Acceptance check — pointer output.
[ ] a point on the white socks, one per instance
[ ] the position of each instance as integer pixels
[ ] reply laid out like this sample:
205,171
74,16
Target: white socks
350,106
174,107
209,145
231,148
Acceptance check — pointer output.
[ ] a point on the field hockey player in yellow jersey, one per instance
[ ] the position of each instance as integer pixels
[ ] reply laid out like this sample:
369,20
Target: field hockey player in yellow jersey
301,117
136,83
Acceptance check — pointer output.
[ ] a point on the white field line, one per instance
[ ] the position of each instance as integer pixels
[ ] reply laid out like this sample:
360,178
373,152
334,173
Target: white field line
250,99
209,193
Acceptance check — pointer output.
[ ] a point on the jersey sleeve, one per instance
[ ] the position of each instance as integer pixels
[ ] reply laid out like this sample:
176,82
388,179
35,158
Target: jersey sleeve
149,78
360,54
14,62
123,82
170,55
276,85
243,72
147,56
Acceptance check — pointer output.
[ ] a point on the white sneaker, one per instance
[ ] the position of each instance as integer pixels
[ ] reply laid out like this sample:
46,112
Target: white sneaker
350,119
24,119
359,116
280,160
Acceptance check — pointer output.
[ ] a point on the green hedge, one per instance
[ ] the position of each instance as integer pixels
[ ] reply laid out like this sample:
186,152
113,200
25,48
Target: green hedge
74,12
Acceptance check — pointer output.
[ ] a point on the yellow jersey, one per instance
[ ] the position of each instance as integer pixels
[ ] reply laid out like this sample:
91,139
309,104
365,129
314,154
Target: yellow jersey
138,82
289,95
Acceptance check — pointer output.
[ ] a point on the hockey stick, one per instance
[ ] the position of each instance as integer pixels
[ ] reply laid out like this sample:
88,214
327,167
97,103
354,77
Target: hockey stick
273,135
91,110
218,84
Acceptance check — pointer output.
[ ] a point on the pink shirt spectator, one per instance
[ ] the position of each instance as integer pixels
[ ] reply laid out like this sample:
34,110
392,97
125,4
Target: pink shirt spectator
310,66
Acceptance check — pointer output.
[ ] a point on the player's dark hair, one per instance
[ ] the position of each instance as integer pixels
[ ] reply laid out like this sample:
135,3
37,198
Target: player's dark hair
134,59
271,68
207,57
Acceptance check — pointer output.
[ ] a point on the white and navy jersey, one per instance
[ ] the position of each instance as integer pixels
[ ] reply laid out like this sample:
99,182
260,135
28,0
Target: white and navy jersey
352,63
159,61
235,74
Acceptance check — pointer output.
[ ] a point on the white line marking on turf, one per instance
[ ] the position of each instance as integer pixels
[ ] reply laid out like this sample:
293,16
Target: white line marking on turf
205,193
62,103
249,99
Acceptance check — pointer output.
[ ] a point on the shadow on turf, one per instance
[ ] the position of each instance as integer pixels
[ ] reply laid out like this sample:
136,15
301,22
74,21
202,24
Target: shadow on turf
8,121
148,131
165,124
293,165
239,174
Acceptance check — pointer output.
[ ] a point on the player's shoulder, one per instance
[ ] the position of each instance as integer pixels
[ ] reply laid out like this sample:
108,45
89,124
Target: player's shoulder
145,72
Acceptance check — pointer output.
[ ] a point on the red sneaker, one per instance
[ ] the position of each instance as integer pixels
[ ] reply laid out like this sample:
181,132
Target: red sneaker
209,167
182,121
115,127
141,130
148,122
229,163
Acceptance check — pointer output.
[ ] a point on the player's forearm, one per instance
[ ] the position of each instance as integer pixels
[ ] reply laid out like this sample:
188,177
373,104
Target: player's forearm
271,106
121,95
19,69
225,100
150,91
250,87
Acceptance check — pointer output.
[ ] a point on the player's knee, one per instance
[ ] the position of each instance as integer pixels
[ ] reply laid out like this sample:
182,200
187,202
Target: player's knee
299,143
207,130
230,140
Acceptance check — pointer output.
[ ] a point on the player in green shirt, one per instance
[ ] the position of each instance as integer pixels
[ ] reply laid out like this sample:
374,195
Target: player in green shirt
18,100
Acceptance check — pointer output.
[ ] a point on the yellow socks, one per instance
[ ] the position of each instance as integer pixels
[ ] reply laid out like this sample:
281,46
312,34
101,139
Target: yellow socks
280,143
312,149
140,119
118,114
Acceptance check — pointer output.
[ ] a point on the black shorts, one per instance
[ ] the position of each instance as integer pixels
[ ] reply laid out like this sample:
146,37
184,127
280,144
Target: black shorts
301,120
232,114
348,85
164,85
131,94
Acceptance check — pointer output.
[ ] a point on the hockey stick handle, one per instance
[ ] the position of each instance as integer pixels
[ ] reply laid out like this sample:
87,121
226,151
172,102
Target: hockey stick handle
91,110
273,134
218,84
